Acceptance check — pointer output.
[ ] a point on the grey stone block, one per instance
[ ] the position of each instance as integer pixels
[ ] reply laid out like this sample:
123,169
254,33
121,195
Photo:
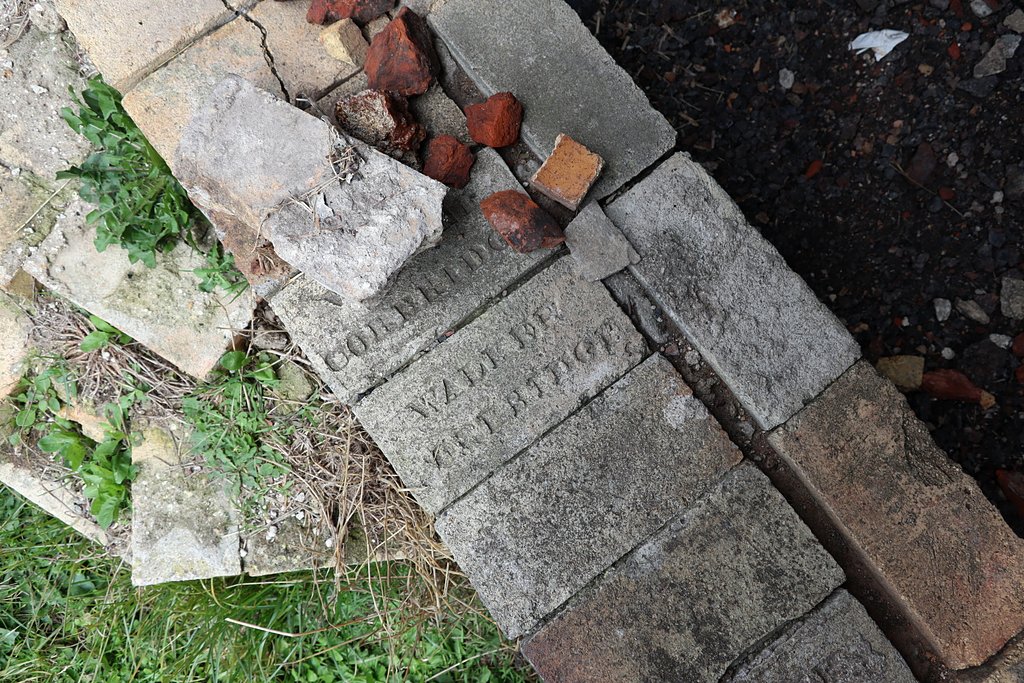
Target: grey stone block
755,321
636,302
596,245
583,496
541,51
836,643
711,584
354,347
519,369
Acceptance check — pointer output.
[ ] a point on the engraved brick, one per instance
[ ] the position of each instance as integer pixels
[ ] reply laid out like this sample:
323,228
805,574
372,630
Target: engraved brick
604,480
711,584
488,392
922,524
354,347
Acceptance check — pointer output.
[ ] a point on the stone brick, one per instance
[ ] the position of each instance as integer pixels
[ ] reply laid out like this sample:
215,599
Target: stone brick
439,114
755,321
161,308
184,526
709,585
567,175
923,525
15,327
354,347
496,385
544,525
27,217
129,39
163,104
293,43
597,247
838,642
569,73
345,42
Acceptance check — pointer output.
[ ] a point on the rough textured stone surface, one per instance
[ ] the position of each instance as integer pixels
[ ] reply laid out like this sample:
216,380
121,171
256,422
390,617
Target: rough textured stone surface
448,161
619,124
26,218
1008,665
454,416
14,342
402,57
33,136
161,308
294,548
923,525
906,372
521,222
684,605
836,643
292,43
383,120
1011,298
354,347
755,321
994,61
567,175
439,114
184,526
598,248
328,104
345,42
496,121
127,40
633,299
163,104
586,494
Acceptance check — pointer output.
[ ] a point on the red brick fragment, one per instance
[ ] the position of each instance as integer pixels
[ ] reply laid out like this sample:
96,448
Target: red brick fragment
814,168
1012,484
569,173
521,222
954,385
449,161
496,121
1018,345
402,57
1019,373
363,11
381,119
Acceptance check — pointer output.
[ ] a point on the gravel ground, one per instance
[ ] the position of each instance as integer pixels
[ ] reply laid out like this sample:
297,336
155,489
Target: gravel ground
886,185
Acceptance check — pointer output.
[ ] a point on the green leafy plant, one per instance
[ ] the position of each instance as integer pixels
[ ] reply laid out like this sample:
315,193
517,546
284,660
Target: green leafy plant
220,273
102,336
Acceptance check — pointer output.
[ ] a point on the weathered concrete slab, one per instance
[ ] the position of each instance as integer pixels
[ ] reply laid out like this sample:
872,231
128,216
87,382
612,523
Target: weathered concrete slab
923,525
164,103
568,83
683,606
836,643
161,308
596,245
33,89
184,526
27,217
128,39
354,347
439,114
586,494
292,547
755,321
519,369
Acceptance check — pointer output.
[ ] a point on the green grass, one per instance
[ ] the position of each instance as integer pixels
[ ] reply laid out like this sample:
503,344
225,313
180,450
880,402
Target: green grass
68,613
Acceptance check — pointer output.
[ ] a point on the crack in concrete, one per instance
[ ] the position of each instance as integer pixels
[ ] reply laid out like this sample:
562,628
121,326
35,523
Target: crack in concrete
243,13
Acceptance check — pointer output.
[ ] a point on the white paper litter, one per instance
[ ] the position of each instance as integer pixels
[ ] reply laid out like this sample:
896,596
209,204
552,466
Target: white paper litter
881,43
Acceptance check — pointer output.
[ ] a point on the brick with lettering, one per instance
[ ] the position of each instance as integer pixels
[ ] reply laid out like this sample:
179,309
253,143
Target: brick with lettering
521,368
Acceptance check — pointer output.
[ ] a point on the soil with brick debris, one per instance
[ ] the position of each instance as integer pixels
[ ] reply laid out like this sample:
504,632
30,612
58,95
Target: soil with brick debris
886,185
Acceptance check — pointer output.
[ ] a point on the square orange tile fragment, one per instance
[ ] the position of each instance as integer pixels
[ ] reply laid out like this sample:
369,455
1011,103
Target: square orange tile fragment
569,173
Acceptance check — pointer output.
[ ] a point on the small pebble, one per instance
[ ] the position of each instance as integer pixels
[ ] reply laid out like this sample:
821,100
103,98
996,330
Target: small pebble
271,533
1003,341
692,358
943,308
948,353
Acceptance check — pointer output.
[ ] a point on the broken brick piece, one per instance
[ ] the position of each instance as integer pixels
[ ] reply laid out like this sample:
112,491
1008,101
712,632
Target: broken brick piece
363,11
569,173
448,161
1018,345
955,386
402,57
521,222
496,121
345,42
383,120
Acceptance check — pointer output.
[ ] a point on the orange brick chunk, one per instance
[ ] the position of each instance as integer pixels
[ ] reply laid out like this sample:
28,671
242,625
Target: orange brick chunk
569,173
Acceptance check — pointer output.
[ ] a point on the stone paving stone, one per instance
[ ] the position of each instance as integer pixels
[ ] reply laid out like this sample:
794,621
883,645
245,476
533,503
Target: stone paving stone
923,525
184,526
300,59
27,217
354,347
129,39
836,643
15,327
570,84
439,114
711,584
164,103
755,321
1008,665
586,494
598,248
519,369
161,308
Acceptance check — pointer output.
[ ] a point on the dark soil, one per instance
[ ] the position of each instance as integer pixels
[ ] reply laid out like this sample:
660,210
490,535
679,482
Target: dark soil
821,169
